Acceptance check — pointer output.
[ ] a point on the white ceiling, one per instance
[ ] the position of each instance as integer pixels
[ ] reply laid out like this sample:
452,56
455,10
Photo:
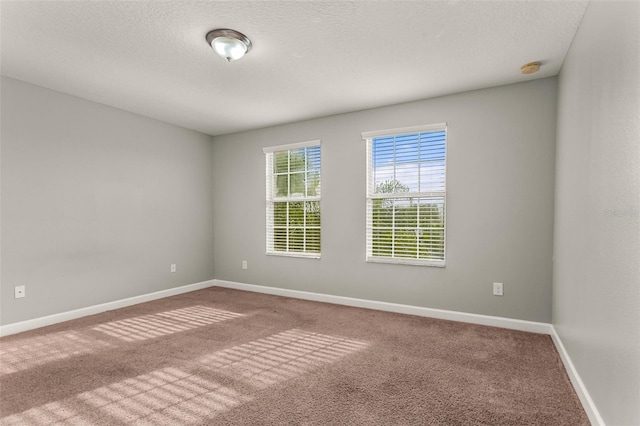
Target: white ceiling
309,58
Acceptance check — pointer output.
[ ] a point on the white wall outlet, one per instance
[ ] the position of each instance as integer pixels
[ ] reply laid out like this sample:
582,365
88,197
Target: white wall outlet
20,291
498,289
173,267
244,264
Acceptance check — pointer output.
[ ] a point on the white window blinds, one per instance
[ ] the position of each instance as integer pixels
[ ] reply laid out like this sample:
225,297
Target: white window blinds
293,177
406,195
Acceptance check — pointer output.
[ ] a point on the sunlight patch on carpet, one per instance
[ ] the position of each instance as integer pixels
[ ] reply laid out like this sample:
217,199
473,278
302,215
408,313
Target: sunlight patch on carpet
164,323
276,358
39,350
165,396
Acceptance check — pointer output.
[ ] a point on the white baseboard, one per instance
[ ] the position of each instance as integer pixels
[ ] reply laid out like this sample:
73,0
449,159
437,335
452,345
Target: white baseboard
587,403
510,323
18,327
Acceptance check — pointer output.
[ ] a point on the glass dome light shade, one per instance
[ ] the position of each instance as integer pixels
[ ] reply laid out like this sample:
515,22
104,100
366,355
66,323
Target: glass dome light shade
229,48
229,44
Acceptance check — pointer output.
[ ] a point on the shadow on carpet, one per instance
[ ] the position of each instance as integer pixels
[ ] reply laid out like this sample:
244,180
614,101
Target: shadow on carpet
222,356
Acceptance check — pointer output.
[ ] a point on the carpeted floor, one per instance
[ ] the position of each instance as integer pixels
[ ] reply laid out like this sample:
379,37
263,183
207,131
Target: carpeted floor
221,356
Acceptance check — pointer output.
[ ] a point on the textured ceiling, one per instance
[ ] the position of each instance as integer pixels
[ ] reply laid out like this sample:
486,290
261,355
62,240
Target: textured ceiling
309,58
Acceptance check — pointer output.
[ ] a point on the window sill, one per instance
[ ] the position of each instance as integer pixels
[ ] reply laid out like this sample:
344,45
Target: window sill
299,255
412,262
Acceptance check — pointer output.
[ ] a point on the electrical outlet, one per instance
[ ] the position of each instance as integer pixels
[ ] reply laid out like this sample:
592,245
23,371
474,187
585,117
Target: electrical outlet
498,289
20,291
244,264
173,267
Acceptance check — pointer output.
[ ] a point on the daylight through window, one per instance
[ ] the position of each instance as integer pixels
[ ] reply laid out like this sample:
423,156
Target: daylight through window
406,195
293,199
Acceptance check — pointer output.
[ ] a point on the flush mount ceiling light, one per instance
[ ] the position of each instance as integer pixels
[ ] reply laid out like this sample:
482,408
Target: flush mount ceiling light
229,44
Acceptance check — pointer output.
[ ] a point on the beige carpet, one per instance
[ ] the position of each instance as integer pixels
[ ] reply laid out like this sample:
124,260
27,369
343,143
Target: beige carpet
220,356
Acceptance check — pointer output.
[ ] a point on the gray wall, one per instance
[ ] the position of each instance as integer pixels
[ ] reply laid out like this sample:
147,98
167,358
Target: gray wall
596,293
501,144
97,203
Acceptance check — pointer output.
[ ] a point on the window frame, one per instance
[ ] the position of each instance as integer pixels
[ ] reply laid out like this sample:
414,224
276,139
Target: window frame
368,137
271,199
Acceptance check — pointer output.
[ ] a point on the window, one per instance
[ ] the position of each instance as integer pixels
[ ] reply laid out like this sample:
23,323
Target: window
293,199
406,195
